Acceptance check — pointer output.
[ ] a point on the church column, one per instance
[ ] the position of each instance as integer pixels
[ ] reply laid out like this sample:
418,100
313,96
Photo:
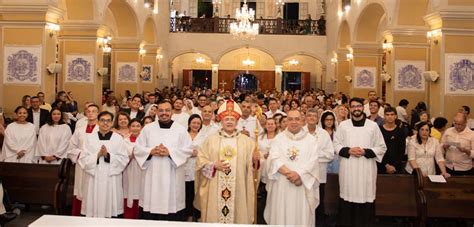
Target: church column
80,47
278,77
215,76
126,56
451,52
402,50
343,69
366,57
28,34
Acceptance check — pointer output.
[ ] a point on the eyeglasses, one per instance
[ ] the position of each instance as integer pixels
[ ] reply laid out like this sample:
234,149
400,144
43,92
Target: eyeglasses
105,120
357,106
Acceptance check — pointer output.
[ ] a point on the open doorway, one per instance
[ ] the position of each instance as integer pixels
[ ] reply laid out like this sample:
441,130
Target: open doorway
246,82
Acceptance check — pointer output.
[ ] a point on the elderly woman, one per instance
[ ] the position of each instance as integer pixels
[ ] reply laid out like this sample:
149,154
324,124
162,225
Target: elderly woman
20,139
423,150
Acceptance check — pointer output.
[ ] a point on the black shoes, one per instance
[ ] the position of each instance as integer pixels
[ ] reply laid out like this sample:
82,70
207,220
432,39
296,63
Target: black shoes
7,217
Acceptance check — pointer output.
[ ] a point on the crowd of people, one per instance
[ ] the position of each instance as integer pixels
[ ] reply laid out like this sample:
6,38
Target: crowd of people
195,155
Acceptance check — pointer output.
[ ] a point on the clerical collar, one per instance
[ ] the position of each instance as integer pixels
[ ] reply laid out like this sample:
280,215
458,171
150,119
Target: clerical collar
358,123
107,135
165,124
298,136
224,134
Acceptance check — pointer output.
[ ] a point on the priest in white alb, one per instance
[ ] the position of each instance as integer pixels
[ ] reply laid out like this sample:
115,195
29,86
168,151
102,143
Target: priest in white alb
293,176
224,172
360,144
162,149
104,159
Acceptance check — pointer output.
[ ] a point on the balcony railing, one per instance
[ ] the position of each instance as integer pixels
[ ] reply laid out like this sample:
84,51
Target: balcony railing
267,26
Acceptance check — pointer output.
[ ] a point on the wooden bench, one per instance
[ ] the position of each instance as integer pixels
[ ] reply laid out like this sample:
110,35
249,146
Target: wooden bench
396,196
454,199
35,183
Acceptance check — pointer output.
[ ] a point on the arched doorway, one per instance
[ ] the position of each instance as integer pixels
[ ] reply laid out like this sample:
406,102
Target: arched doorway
246,82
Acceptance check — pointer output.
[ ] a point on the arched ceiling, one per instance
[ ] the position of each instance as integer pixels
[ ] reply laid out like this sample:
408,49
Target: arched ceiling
149,31
412,12
233,59
79,10
368,22
125,18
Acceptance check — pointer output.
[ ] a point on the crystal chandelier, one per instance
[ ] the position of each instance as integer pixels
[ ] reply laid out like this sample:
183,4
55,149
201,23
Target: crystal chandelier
244,29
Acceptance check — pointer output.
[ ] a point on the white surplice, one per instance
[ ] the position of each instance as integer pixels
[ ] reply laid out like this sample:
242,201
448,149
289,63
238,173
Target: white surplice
326,153
190,165
264,145
53,140
19,137
181,118
288,204
250,124
104,193
74,150
358,175
164,184
132,177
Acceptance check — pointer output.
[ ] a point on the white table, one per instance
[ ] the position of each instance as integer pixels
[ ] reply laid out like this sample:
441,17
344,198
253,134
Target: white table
73,221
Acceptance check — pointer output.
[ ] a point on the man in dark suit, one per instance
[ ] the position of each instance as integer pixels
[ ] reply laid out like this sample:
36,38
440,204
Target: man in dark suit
134,110
36,115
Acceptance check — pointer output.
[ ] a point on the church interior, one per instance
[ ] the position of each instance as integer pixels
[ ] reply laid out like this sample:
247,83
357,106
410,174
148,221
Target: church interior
419,50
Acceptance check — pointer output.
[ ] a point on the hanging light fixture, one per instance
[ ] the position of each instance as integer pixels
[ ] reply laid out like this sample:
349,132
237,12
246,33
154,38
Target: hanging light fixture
244,29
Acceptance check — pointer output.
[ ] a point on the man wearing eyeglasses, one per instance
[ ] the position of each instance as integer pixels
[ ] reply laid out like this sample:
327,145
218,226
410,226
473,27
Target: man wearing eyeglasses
104,160
360,144
162,148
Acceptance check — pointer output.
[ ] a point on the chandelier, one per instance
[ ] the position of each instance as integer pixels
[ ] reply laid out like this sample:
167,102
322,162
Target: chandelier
244,29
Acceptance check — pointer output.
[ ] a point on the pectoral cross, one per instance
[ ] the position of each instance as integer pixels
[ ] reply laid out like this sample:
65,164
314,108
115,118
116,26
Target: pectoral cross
223,83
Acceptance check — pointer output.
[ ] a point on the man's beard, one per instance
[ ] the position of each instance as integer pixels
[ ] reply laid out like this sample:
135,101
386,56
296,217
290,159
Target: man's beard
356,113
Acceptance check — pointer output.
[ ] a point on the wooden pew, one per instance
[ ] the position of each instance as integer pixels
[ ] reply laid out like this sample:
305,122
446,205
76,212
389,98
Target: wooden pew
454,199
396,196
34,183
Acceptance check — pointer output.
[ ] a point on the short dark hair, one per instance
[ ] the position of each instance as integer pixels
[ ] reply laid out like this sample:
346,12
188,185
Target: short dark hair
403,102
272,99
440,122
135,120
375,101
137,96
93,105
356,99
103,113
202,95
390,110
34,97
20,107
165,101
467,109
147,117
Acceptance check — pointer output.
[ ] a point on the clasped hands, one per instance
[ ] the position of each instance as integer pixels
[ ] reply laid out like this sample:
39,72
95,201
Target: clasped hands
20,154
463,150
294,178
160,150
357,151
102,152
